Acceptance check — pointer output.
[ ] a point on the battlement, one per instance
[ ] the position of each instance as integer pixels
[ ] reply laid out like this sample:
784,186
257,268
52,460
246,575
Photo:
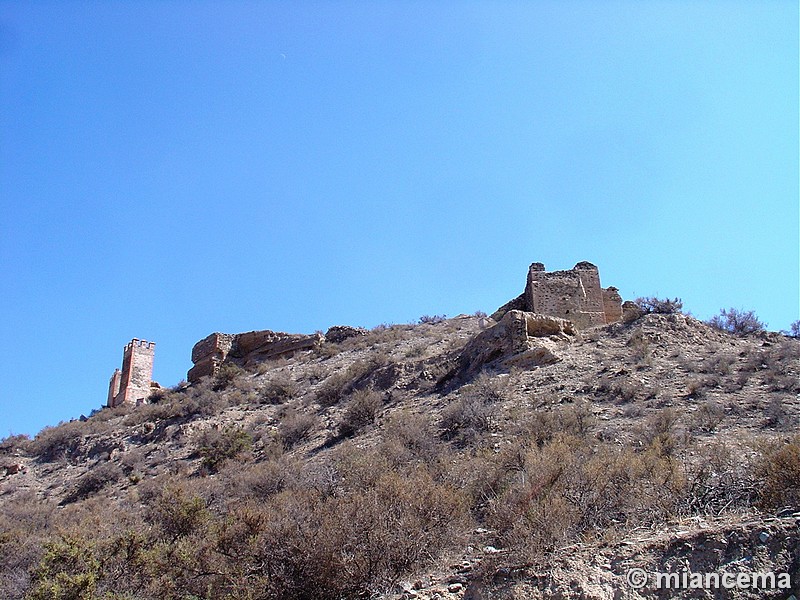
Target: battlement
143,344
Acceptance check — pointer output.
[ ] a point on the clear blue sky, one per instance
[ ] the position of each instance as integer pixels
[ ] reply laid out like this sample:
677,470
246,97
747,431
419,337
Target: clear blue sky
170,169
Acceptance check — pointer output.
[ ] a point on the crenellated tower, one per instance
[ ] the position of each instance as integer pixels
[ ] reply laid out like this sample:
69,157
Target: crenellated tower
133,384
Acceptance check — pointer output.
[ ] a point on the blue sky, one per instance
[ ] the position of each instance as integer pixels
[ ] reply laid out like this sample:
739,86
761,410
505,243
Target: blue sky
170,169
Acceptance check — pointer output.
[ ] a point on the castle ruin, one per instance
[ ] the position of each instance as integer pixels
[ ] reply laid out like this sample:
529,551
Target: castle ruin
575,295
246,349
133,384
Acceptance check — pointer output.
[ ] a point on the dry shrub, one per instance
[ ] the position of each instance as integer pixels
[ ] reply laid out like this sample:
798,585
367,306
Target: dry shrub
409,438
295,427
302,545
24,521
488,389
226,376
659,431
199,399
15,443
708,416
380,335
174,509
315,373
641,352
467,420
718,480
218,445
719,364
361,410
278,390
777,414
341,383
54,443
698,387
661,306
780,367
265,479
568,488
620,389
779,472
738,322
542,426
432,319
93,481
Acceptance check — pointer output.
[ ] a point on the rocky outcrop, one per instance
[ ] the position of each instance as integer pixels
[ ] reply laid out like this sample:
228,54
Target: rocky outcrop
245,349
339,333
519,338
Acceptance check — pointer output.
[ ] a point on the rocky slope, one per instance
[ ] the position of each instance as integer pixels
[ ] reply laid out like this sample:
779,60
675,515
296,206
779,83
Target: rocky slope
453,459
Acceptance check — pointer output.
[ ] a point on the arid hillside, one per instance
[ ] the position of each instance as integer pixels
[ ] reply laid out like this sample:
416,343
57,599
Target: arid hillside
454,458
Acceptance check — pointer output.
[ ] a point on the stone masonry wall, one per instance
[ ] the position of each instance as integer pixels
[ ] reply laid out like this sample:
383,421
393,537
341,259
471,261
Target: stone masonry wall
574,294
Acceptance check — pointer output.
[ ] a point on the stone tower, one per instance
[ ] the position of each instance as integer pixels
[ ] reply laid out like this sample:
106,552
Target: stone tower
575,294
132,385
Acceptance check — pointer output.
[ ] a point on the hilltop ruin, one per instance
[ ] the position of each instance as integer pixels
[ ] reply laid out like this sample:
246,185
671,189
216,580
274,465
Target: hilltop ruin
245,349
575,295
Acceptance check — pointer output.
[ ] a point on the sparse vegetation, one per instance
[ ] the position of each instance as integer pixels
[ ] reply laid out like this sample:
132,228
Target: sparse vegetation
432,319
738,322
794,329
659,306
338,476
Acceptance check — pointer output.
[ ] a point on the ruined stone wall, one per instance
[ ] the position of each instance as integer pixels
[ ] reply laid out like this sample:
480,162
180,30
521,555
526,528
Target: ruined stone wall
133,383
245,349
208,354
612,305
575,294
113,386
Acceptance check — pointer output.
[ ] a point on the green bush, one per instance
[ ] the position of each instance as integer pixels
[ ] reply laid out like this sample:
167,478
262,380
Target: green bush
69,570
